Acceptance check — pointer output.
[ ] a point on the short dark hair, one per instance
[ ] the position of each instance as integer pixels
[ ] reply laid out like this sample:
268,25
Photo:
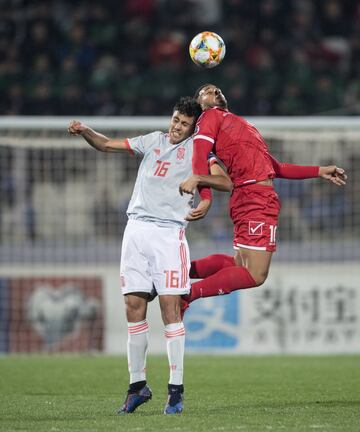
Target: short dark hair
196,95
188,106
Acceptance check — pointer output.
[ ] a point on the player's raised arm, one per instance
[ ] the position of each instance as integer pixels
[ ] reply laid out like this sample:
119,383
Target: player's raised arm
97,140
291,171
331,173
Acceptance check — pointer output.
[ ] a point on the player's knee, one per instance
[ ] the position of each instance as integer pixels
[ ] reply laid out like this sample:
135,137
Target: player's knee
259,277
135,310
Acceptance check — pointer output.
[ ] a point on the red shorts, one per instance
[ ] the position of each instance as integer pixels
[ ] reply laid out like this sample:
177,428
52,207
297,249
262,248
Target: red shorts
254,210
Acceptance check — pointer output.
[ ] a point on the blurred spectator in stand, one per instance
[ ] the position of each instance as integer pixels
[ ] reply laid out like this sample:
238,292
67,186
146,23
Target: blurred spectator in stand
302,24
207,12
40,73
13,102
72,102
291,100
128,87
105,73
40,101
179,14
139,8
332,19
233,82
38,41
167,47
68,74
326,97
103,28
79,46
298,70
264,80
135,38
106,105
11,73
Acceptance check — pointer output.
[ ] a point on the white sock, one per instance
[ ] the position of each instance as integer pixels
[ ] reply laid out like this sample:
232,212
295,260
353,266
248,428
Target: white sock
175,344
137,345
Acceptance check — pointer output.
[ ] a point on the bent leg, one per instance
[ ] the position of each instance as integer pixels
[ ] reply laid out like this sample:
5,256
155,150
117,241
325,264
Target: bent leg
209,265
257,262
251,270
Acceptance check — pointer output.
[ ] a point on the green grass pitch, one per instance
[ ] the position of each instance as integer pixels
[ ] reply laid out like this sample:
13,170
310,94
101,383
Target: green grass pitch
272,393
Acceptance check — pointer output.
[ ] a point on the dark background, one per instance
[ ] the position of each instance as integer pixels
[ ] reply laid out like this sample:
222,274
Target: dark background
130,57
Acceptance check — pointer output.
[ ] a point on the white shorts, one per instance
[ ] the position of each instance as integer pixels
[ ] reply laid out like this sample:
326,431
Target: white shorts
156,255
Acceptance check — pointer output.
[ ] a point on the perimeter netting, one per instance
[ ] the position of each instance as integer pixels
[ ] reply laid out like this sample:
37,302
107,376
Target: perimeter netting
63,213
64,202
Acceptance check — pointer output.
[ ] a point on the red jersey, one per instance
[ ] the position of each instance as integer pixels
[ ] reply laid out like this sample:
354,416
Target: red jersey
237,143
241,148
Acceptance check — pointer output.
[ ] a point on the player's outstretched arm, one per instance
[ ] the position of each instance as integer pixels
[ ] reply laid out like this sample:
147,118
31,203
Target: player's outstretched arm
333,174
95,139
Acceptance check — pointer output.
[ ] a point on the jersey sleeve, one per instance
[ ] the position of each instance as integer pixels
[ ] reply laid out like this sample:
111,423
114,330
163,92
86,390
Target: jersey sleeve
204,139
212,160
142,143
291,171
207,126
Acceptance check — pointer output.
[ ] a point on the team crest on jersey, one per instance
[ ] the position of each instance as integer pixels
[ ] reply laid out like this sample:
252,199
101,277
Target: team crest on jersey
256,228
157,151
180,153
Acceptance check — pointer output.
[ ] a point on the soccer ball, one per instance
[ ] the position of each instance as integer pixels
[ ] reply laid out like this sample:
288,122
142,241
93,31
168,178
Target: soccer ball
207,49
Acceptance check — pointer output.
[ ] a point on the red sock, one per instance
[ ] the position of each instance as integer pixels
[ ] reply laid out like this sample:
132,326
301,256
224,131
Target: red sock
223,282
205,267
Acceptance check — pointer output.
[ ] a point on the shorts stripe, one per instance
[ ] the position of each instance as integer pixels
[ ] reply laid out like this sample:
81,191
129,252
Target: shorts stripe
184,270
239,245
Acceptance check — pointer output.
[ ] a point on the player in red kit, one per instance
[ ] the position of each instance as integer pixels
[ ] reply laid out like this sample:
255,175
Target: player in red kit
254,204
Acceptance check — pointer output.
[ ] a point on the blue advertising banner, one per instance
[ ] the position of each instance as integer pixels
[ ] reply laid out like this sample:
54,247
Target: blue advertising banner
213,323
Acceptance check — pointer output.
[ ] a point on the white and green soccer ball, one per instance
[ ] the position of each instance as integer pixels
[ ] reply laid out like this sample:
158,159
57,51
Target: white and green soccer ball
207,49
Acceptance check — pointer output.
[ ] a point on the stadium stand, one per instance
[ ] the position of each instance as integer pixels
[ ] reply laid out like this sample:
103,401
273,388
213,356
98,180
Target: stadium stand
66,58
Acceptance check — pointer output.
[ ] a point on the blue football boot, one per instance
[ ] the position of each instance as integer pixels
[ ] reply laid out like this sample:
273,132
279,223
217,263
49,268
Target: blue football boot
174,404
133,400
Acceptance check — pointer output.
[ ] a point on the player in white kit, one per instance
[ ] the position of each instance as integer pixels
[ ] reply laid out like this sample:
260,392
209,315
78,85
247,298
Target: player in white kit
154,249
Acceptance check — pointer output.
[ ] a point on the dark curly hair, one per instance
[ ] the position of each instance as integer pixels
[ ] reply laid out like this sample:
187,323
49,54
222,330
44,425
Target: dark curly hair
188,106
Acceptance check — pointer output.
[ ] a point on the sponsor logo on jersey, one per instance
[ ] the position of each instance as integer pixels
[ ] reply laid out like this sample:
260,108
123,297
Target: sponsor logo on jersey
157,151
256,228
180,153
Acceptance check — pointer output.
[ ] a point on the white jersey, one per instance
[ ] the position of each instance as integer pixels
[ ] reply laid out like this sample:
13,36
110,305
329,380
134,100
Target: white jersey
156,197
